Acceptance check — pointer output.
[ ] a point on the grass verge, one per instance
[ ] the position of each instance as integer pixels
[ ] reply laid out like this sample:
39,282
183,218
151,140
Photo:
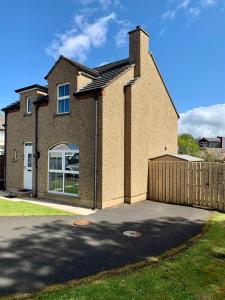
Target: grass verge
12,208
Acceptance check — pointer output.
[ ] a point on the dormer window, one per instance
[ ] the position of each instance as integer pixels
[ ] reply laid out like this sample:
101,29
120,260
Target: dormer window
63,98
29,105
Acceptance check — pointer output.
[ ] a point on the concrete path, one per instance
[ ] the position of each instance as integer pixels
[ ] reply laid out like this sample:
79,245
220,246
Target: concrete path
39,251
65,207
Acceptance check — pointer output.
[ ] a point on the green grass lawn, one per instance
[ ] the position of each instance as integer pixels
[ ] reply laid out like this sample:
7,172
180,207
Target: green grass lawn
195,273
11,208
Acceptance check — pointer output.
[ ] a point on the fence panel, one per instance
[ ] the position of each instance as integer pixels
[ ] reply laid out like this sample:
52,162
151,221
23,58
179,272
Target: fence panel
188,183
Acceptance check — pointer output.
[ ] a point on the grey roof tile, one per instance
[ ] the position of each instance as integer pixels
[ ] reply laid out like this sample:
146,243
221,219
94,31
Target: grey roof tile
105,78
12,105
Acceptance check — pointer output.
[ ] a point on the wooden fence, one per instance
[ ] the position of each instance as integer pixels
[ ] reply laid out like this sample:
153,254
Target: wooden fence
198,184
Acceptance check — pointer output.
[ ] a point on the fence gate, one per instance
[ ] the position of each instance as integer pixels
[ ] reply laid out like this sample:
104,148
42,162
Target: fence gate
188,183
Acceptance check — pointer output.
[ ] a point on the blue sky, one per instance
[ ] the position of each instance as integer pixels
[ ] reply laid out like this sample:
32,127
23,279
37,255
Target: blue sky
187,40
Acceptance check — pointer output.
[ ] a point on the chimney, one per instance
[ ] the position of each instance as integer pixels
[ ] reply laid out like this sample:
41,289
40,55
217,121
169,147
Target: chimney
138,49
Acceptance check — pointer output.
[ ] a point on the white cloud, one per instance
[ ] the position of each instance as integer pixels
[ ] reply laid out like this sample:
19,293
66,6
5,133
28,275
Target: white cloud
83,35
121,37
204,121
205,3
194,11
104,4
171,13
192,8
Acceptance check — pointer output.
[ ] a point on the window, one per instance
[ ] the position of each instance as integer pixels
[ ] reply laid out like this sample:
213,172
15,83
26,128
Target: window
29,105
29,160
63,169
63,98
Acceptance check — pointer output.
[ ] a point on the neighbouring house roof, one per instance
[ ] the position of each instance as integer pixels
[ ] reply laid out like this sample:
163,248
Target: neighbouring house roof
184,157
210,139
33,86
106,77
81,67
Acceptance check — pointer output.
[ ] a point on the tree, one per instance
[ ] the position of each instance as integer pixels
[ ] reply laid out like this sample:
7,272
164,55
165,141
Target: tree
212,155
188,145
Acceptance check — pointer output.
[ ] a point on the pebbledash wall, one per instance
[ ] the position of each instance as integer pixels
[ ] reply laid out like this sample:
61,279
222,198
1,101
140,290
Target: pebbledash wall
136,121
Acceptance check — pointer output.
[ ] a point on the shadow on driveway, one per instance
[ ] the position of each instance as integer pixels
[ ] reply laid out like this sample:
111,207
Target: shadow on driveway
38,251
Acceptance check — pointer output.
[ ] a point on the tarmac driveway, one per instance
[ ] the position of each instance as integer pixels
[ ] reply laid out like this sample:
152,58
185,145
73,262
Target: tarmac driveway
38,251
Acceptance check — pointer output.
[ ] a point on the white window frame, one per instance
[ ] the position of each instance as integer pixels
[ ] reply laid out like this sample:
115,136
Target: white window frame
29,99
62,98
63,171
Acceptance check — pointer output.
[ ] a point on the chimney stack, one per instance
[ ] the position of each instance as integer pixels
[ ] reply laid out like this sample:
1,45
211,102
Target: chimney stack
138,49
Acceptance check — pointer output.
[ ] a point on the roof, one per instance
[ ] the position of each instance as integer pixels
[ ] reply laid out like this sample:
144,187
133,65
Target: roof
111,65
107,75
17,103
210,139
31,87
81,67
42,100
2,122
12,105
185,157
189,157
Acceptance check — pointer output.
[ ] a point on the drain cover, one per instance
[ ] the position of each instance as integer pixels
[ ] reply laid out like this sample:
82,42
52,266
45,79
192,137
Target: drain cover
132,233
81,222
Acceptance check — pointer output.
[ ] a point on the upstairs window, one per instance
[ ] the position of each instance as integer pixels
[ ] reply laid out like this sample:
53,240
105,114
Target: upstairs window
29,105
63,98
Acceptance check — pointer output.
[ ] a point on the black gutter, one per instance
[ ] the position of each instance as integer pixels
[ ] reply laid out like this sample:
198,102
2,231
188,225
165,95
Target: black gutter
33,86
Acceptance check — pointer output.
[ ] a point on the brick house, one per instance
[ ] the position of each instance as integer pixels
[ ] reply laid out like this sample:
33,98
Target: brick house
87,136
212,142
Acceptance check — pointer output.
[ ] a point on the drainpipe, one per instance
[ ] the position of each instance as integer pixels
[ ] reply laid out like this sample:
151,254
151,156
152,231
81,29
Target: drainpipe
36,150
6,115
95,152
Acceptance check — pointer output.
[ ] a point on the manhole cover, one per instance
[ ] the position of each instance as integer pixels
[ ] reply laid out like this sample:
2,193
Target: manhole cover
132,233
81,222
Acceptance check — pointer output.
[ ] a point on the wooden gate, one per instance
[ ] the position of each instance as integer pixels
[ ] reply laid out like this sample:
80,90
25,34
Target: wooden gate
188,183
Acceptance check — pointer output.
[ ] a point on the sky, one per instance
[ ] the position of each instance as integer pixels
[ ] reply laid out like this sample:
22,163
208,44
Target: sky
187,39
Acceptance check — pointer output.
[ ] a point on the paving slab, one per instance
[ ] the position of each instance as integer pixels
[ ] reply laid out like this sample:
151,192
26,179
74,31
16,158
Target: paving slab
39,251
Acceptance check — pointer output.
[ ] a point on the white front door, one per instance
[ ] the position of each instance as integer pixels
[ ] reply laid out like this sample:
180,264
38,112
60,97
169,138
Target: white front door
28,161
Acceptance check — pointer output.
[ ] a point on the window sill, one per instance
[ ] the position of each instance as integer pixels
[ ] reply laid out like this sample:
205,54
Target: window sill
27,114
61,115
